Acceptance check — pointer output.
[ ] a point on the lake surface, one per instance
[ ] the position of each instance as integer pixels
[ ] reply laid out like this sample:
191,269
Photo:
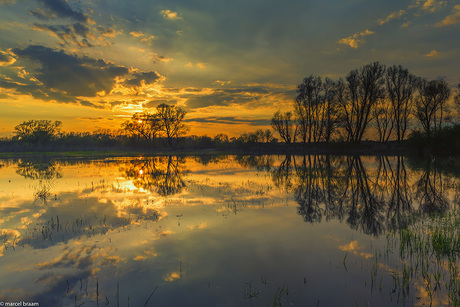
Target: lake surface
219,231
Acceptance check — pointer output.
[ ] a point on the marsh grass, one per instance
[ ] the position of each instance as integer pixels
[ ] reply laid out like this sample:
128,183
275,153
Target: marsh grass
429,251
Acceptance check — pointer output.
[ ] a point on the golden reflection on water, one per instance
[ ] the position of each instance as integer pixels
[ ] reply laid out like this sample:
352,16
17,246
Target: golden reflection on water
69,222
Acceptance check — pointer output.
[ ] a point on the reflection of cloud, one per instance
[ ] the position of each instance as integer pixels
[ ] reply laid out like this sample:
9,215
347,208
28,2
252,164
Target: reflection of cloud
452,19
355,40
82,258
172,276
201,226
355,248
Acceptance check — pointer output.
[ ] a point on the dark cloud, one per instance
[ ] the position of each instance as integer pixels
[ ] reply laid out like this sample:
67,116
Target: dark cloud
42,14
230,120
225,97
140,78
68,34
69,74
155,103
108,32
60,8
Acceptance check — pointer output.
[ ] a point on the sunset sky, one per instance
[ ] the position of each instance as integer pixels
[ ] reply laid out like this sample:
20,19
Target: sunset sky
230,64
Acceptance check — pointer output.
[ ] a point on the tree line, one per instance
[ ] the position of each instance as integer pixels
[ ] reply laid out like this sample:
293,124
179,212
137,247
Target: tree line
387,99
390,101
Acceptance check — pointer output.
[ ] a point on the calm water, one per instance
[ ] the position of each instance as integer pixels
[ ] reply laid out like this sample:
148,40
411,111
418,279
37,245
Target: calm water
219,231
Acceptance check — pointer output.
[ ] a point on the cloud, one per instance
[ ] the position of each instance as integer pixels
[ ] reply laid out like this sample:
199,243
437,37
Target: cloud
60,8
432,53
356,39
225,97
68,34
65,77
229,120
106,32
136,33
140,79
168,14
394,15
452,19
427,6
6,59
197,65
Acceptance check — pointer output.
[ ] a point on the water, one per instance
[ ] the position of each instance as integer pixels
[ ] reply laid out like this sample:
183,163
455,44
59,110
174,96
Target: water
216,231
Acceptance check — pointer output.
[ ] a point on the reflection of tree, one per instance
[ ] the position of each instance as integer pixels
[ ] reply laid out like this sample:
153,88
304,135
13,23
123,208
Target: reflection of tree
365,209
281,175
260,163
400,200
45,171
430,190
162,174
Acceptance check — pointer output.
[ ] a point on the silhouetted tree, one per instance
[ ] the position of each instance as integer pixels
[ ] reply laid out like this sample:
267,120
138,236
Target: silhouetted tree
284,125
143,125
315,109
430,105
37,131
357,95
171,121
401,86
384,120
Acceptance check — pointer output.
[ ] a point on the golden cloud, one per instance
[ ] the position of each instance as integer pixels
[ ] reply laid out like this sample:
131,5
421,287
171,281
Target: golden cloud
452,19
168,14
356,39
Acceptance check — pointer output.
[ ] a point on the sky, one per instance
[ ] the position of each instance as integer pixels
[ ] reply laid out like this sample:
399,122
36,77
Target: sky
230,64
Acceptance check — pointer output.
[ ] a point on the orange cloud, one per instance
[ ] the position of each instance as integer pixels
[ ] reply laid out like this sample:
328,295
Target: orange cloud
452,19
168,14
355,40
432,53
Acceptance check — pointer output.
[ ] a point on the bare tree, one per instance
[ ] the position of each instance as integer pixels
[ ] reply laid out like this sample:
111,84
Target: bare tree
356,97
430,105
401,86
171,121
143,125
283,124
384,120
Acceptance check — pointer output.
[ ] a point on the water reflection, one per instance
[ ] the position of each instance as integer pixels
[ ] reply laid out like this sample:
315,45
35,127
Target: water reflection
371,199
45,171
163,175
70,227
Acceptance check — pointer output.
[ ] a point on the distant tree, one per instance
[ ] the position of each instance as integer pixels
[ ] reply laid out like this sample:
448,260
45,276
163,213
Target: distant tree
401,87
143,125
284,125
357,95
171,118
221,138
268,136
457,98
431,104
37,131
